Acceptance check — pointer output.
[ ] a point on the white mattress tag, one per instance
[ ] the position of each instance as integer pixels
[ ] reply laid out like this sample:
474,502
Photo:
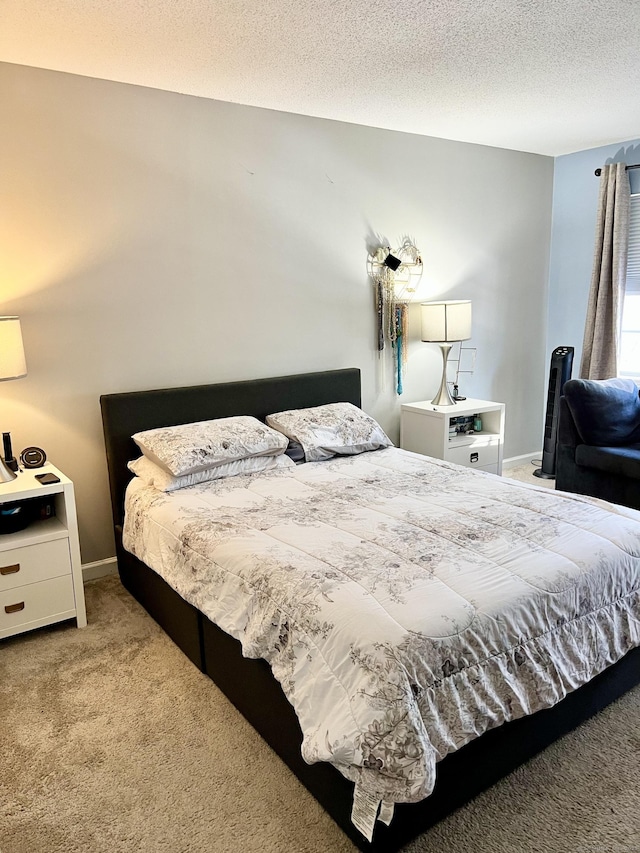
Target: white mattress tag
386,812
364,812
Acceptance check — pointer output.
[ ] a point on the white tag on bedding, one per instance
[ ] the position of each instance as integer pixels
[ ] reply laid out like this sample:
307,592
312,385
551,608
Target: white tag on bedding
364,812
386,812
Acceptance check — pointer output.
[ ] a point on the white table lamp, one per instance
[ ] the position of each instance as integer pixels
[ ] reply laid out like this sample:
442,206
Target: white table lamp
445,323
12,366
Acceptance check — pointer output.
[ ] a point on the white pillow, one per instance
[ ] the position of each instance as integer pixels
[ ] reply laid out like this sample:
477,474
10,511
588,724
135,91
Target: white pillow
330,430
153,475
189,448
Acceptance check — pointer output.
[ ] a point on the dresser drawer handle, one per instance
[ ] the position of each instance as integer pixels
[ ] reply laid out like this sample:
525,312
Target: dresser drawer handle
10,570
14,608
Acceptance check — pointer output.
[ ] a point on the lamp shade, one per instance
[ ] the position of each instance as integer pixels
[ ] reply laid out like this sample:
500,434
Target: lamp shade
445,322
12,360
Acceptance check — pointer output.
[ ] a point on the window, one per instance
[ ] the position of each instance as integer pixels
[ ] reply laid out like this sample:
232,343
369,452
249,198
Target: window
629,357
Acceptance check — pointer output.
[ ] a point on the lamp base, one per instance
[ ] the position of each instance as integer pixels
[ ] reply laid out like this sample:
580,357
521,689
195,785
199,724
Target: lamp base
6,474
443,397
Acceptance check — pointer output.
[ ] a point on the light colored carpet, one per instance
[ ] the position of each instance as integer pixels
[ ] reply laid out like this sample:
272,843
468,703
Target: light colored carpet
526,475
113,742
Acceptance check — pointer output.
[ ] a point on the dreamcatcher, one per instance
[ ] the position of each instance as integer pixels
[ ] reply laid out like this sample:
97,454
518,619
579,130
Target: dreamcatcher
396,274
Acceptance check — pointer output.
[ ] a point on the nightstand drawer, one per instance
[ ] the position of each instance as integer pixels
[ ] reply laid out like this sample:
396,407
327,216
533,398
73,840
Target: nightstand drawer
490,469
475,455
36,604
34,563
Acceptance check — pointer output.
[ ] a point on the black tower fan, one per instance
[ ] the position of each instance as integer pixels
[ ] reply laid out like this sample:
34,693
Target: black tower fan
559,373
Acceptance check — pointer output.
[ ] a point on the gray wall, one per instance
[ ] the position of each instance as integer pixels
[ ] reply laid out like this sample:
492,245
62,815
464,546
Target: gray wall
575,204
152,239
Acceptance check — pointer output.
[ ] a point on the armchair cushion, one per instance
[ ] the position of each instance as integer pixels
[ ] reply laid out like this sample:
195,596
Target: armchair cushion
616,461
606,412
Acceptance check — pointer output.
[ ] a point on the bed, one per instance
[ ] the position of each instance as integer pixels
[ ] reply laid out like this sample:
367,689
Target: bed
248,682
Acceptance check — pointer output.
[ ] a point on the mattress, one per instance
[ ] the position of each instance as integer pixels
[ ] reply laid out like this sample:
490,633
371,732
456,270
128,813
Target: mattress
405,604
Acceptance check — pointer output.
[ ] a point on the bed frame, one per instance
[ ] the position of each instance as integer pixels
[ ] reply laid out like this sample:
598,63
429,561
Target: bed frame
249,684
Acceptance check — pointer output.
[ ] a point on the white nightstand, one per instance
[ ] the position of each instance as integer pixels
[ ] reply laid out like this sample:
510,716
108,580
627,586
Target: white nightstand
425,428
40,571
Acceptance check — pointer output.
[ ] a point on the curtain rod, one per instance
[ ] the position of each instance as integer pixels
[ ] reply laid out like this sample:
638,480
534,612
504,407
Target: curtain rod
598,172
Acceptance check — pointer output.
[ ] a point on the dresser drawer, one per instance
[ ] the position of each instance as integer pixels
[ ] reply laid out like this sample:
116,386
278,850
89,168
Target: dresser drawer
34,563
475,455
37,604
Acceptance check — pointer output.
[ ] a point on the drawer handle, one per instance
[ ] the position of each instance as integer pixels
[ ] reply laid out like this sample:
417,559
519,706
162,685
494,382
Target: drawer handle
9,570
14,608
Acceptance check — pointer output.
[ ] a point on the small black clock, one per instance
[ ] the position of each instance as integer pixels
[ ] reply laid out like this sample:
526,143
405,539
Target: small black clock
33,457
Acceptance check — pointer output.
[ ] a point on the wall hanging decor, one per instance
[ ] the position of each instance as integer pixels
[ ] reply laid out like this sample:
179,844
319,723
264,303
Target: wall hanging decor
465,362
395,274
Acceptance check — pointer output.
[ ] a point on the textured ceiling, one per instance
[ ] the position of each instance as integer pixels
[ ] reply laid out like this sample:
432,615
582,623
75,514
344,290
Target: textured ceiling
547,76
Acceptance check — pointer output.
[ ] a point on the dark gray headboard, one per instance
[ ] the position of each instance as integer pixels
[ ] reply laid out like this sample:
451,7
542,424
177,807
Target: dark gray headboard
128,413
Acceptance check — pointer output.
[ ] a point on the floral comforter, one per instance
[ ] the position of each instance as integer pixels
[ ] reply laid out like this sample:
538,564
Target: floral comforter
405,604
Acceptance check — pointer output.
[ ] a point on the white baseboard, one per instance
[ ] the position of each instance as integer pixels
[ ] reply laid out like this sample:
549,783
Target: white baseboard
516,461
99,569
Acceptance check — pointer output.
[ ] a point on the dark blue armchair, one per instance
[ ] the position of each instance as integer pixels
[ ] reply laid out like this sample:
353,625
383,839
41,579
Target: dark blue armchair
598,449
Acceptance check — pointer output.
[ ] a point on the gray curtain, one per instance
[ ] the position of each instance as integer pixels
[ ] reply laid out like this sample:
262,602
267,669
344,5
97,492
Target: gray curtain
602,327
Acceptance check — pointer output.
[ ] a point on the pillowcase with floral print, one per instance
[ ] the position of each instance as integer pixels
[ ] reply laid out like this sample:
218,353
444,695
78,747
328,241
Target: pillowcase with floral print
189,448
335,429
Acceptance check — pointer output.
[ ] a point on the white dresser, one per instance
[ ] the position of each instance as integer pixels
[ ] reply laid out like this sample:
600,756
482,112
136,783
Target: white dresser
40,570
428,429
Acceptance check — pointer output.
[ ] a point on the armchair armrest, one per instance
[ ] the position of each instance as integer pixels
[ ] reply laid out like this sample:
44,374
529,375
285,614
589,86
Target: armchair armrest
567,431
568,440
